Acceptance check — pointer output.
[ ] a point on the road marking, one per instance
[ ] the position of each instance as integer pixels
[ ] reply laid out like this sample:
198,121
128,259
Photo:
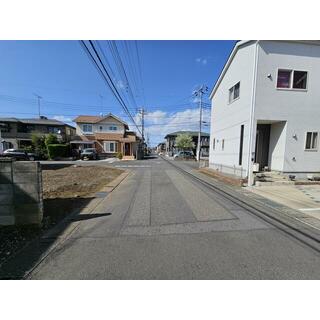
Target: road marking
132,166
309,209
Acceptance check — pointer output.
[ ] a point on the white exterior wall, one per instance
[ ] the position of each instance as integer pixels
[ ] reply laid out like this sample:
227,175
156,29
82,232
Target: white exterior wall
300,109
226,119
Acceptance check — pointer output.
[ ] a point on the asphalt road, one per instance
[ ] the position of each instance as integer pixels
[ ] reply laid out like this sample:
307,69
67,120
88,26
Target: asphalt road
160,224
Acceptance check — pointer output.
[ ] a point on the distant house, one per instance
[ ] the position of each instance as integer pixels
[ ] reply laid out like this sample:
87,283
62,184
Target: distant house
108,134
161,147
16,133
171,147
266,113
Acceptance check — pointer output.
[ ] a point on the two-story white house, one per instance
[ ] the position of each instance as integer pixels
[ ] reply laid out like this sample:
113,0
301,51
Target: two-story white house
266,109
108,134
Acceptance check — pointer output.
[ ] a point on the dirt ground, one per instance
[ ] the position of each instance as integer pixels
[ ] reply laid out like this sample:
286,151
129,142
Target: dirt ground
64,190
76,181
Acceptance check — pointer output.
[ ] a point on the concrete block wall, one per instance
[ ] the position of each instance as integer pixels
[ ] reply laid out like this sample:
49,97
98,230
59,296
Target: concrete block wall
20,192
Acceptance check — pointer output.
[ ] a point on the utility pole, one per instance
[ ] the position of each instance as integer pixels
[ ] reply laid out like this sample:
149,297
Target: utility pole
142,112
202,90
39,106
101,102
1,142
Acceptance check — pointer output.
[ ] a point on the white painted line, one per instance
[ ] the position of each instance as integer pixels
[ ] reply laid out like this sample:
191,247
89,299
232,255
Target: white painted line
132,166
308,224
309,209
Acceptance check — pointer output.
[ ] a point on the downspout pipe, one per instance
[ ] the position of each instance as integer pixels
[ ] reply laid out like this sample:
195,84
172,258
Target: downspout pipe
253,124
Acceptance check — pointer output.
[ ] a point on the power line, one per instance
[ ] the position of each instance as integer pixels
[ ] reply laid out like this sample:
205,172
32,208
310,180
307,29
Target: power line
107,79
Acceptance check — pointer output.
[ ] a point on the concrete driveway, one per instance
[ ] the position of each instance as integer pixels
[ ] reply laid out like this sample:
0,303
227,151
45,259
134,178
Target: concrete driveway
303,198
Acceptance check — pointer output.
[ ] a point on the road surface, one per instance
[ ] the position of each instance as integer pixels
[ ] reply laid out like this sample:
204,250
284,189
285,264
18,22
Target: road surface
160,224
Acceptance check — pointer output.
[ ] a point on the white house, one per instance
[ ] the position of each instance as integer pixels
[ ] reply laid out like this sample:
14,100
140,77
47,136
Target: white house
266,109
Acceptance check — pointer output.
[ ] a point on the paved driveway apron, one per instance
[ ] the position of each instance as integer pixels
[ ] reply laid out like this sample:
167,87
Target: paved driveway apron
163,225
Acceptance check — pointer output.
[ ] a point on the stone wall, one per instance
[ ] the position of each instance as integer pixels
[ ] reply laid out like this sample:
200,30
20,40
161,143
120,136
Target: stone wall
20,192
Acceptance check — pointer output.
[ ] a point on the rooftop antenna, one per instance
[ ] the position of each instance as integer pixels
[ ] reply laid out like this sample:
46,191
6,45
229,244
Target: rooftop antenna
101,102
39,106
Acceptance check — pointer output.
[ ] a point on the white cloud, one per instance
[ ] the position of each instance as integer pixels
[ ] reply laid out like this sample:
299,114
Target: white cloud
159,123
63,119
120,84
202,61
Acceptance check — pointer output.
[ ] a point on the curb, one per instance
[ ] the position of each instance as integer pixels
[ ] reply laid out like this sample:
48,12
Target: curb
61,232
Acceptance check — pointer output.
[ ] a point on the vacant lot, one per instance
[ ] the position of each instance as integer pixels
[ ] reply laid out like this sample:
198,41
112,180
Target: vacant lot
76,181
64,190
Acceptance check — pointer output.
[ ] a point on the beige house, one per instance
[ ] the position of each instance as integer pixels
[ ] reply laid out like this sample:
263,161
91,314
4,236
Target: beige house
108,134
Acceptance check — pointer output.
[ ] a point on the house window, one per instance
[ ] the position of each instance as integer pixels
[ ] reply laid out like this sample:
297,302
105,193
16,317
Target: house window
299,80
311,141
101,128
214,143
113,128
110,146
284,78
87,128
54,130
292,79
234,92
222,145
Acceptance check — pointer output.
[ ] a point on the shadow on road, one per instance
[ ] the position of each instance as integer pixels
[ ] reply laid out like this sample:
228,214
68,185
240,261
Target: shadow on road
90,216
33,241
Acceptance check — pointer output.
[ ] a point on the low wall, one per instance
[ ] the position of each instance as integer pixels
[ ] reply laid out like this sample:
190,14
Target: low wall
20,192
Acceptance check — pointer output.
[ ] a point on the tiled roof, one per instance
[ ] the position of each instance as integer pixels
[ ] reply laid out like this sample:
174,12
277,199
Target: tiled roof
88,119
130,138
97,119
108,136
42,121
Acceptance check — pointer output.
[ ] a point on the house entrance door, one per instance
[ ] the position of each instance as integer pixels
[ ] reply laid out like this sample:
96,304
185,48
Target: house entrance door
127,149
262,145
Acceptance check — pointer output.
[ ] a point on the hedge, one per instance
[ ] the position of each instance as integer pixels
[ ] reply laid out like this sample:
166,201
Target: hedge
57,150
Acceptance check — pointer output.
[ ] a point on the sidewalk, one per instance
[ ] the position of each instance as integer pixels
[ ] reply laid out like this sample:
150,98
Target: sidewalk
303,199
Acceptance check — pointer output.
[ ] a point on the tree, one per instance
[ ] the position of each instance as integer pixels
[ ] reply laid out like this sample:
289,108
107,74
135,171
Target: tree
51,139
39,145
184,141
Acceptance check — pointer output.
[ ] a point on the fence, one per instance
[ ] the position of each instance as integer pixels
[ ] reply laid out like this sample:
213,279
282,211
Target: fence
20,192
233,170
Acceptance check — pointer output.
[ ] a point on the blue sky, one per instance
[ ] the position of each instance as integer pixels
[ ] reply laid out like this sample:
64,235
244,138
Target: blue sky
62,73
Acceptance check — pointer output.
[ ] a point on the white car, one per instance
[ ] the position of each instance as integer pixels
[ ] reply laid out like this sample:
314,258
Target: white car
183,155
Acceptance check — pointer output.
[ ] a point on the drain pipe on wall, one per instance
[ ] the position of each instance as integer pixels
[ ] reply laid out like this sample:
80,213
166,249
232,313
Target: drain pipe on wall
253,123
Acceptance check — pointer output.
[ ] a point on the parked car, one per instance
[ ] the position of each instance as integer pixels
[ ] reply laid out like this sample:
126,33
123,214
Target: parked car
16,154
184,155
33,156
89,154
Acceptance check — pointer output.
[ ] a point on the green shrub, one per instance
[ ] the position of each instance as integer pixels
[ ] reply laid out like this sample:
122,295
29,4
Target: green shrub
38,145
119,155
28,149
51,139
57,150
